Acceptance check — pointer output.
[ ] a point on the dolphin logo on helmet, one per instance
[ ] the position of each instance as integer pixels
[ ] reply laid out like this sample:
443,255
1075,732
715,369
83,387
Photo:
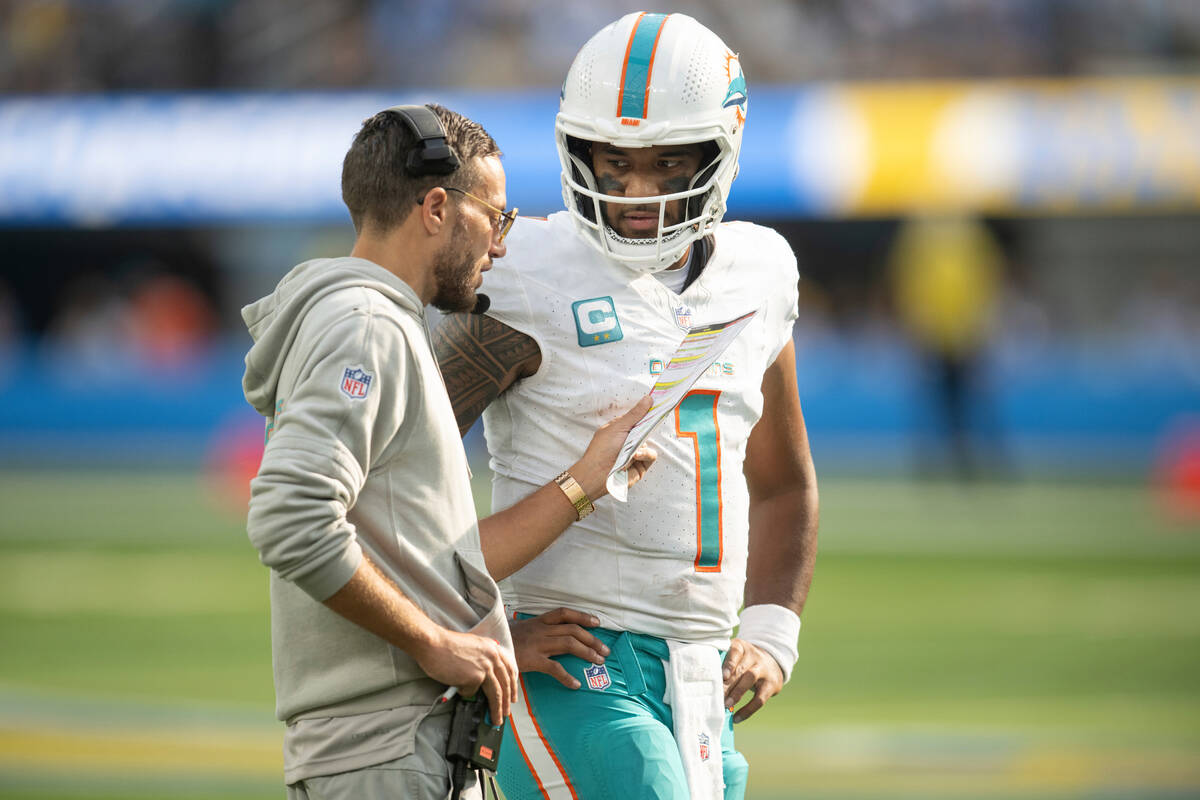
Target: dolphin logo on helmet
737,94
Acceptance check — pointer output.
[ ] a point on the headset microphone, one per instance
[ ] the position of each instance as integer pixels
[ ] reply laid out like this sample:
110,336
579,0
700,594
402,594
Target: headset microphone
482,303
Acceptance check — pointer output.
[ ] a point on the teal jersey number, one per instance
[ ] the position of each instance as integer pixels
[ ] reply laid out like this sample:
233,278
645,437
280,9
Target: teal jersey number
696,419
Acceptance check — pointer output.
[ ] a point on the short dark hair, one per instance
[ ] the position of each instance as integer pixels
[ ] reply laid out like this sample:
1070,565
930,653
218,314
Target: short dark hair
375,185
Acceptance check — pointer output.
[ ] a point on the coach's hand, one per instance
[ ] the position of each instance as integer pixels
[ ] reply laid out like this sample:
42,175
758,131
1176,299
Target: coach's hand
470,663
556,633
592,469
750,668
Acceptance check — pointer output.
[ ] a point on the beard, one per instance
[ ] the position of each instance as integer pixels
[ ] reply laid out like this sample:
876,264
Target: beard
454,270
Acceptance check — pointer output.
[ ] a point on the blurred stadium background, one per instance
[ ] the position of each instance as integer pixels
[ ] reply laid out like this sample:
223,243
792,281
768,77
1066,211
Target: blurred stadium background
996,208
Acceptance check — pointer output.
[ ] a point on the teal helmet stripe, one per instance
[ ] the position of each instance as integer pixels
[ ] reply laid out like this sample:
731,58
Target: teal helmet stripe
639,59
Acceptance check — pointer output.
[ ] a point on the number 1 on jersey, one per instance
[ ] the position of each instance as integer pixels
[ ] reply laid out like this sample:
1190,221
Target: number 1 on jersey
696,419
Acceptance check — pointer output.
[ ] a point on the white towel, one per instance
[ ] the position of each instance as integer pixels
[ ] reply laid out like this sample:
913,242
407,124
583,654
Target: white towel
695,692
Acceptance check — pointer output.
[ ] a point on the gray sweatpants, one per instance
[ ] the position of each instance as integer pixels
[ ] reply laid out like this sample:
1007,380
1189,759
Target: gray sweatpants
423,774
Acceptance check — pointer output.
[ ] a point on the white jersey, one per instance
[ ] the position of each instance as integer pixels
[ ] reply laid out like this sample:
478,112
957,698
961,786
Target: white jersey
671,562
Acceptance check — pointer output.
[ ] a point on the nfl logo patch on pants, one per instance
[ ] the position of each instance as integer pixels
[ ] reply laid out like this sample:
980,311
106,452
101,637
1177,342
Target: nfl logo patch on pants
597,677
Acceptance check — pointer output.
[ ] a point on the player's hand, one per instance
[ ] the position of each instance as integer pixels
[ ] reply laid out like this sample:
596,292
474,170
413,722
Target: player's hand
554,633
749,668
643,457
470,663
591,471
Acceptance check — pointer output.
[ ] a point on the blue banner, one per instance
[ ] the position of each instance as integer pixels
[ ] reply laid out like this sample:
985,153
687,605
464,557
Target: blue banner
809,151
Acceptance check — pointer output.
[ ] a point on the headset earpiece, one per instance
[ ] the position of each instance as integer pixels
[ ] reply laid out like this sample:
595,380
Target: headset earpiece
433,156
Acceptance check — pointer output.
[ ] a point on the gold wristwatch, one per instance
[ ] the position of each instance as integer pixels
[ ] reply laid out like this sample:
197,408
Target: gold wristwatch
574,492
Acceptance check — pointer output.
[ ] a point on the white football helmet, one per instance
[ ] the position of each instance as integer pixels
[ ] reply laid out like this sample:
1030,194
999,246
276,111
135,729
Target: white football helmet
651,79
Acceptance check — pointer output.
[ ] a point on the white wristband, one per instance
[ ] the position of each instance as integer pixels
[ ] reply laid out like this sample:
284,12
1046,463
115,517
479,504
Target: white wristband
774,629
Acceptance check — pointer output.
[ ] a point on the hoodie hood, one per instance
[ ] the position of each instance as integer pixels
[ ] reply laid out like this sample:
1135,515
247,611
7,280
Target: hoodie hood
274,321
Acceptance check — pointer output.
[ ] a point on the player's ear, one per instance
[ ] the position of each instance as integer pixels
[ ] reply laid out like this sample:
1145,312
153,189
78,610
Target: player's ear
434,209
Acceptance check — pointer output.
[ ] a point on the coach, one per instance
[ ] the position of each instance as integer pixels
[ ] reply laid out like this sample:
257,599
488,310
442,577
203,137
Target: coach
362,508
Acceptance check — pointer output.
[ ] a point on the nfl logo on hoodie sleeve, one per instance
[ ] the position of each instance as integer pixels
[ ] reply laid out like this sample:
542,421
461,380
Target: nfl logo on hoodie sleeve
356,382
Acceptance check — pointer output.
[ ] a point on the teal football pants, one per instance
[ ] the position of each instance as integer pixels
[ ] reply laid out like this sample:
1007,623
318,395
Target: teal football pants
611,738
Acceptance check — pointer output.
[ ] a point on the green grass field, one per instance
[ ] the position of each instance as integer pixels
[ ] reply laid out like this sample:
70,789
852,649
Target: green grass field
994,641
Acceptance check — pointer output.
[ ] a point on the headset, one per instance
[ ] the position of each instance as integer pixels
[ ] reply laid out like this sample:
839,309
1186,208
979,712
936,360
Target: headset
433,156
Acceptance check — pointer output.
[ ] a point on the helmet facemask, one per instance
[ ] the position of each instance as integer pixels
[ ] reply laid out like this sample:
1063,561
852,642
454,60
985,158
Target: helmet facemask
703,206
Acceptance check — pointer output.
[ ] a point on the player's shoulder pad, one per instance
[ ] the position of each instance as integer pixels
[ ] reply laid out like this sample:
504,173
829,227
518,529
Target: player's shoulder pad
763,243
753,233
535,245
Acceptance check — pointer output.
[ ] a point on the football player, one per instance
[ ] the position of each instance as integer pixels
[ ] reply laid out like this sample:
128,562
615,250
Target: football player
586,309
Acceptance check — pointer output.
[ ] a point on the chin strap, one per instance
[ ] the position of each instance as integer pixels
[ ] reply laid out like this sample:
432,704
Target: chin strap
701,252
637,255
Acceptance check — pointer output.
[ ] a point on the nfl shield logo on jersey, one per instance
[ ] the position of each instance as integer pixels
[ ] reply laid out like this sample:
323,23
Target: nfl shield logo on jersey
704,747
597,677
356,382
683,317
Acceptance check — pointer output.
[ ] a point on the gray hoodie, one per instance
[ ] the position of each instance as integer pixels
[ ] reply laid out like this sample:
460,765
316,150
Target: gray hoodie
362,455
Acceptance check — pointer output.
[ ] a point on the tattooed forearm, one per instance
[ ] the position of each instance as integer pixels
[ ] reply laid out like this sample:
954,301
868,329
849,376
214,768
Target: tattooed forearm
480,358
